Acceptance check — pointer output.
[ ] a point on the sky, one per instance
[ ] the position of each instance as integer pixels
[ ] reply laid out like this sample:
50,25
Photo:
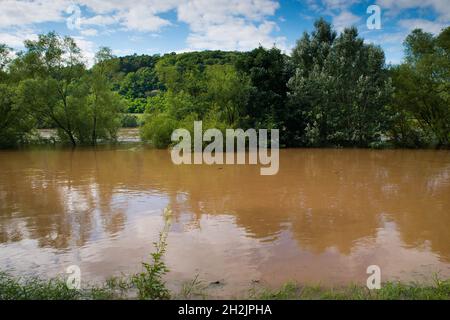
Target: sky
162,26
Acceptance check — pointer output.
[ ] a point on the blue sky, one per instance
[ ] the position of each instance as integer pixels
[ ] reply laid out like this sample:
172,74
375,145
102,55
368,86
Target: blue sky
161,26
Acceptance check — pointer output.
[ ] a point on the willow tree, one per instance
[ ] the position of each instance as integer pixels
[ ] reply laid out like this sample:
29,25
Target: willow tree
269,71
55,67
340,89
104,106
227,92
422,87
60,90
4,60
15,123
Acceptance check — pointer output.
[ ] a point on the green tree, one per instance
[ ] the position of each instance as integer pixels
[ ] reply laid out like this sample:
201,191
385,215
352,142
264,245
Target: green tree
227,92
104,106
158,129
4,61
340,89
59,90
15,124
269,71
140,84
311,51
422,86
215,93
54,66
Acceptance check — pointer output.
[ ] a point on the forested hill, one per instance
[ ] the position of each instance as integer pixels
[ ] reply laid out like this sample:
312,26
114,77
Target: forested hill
136,76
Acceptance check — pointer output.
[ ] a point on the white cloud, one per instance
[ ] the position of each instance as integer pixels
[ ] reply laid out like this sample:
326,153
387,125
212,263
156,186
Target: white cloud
330,7
98,20
16,39
338,4
141,15
341,15
426,25
338,10
226,24
138,15
198,13
441,7
345,19
122,52
89,32
238,35
405,26
230,24
16,13
142,18
88,49
386,38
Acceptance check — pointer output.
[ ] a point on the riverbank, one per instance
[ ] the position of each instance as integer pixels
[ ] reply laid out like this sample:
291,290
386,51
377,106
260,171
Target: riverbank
12,288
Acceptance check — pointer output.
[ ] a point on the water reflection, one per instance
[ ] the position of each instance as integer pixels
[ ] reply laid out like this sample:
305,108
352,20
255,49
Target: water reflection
325,216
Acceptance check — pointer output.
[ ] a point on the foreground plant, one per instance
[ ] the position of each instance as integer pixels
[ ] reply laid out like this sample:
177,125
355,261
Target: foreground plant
150,283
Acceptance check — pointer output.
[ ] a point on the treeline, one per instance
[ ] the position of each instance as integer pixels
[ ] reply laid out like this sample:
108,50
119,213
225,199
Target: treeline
334,90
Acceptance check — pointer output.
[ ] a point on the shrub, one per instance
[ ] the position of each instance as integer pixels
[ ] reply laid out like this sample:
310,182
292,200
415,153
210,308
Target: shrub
158,129
129,121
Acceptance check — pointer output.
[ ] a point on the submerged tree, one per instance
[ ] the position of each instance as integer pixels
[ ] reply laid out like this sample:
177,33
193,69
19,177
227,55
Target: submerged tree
59,89
15,123
198,86
340,89
268,71
227,92
4,60
422,88
103,105
55,67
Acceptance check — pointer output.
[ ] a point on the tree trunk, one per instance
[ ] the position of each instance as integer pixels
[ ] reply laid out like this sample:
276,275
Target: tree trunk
94,132
72,140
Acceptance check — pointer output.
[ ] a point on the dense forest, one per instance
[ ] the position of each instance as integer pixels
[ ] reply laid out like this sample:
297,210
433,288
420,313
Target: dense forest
334,90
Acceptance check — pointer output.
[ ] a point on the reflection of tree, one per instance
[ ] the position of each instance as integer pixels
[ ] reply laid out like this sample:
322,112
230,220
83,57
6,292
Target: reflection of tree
326,198
57,196
346,193
330,198
424,218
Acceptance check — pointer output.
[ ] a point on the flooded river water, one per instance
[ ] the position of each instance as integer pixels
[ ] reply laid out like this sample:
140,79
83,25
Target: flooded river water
324,218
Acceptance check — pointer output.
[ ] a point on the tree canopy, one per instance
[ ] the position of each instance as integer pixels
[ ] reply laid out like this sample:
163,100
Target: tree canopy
422,89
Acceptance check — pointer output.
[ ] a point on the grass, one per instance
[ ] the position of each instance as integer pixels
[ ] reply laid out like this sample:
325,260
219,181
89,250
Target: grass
117,288
34,288
439,290
192,290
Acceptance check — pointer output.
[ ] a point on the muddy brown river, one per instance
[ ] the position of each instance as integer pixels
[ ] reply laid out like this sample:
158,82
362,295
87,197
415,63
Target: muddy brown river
324,218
